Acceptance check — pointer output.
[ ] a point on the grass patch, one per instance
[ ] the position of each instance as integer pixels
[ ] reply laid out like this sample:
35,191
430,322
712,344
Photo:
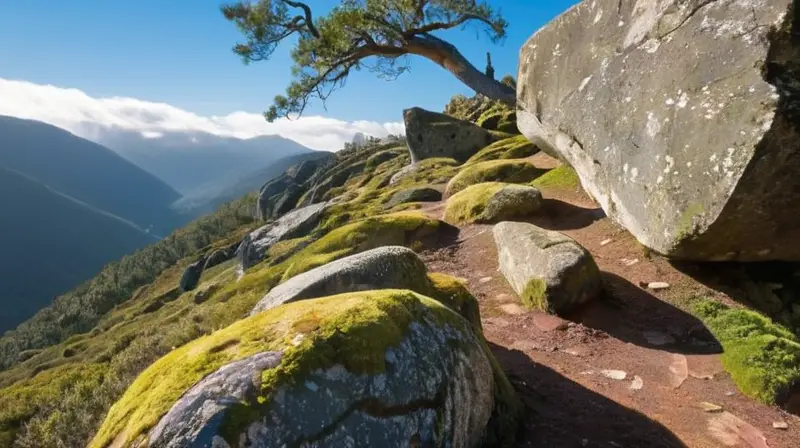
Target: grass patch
762,357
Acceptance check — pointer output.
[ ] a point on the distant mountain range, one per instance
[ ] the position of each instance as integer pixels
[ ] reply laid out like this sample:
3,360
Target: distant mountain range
196,163
71,205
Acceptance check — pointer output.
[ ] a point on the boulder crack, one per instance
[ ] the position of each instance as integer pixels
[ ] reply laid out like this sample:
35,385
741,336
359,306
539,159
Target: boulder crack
374,408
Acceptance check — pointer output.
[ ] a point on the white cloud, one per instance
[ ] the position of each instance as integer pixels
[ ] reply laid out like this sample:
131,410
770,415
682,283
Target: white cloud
77,112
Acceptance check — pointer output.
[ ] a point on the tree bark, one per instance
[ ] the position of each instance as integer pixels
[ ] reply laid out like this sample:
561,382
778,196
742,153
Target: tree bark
447,55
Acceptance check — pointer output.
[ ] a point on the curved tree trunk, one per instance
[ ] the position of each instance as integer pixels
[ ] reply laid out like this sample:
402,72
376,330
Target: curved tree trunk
447,55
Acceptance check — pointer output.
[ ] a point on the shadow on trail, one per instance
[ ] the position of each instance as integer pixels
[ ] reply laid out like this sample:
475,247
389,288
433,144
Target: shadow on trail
559,215
562,413
633,315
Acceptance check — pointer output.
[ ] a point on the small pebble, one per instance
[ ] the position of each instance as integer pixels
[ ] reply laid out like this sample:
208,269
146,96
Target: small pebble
637,383
780,425
605,242
730,394
655,286
710,407
630,262
618,375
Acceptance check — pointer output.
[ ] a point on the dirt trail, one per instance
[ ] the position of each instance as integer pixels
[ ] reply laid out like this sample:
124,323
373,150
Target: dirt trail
569,371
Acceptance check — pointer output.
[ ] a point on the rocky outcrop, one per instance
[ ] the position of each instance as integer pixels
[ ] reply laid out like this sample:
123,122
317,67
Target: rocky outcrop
381,368
681,119
388,267
294,224
492,202
549,270
510,171
280,195
415,194
218,257
431,134
191,275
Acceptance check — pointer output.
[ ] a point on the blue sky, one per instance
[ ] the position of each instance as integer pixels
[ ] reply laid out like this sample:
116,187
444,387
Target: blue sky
178,52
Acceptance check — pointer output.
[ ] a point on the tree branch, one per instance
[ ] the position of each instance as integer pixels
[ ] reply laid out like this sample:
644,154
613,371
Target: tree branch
309,17
435,26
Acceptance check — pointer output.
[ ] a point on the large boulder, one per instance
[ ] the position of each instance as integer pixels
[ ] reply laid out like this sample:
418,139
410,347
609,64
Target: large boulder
680,117
549,270
431,134
388,267
384,368
294,224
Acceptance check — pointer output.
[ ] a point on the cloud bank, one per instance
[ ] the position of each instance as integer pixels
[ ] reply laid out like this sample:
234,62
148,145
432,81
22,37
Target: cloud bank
77,112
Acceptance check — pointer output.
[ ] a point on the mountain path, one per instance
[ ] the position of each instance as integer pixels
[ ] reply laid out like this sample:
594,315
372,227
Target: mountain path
628,370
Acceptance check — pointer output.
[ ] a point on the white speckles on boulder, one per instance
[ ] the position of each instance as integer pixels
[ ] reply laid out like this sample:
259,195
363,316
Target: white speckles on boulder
699,99
388,267
549,270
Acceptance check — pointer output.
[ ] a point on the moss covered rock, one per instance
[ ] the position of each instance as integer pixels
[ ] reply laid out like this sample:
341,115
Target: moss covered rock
762,357
511,171
492,202
549,270
381,368
414,194
510,148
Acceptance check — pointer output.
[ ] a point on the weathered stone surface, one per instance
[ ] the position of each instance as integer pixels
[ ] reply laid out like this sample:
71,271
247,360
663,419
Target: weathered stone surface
680,117
195,420
431,134
191,275
384,368
254,246
415,194
280,195
549,270
388,267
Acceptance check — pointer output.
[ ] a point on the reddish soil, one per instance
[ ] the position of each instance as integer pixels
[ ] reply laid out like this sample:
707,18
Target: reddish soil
560,366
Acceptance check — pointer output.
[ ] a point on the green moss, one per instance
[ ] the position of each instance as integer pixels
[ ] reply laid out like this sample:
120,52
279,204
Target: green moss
534,295
762,357
563,177
511,171
453,292
468,205
349,329
511,148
